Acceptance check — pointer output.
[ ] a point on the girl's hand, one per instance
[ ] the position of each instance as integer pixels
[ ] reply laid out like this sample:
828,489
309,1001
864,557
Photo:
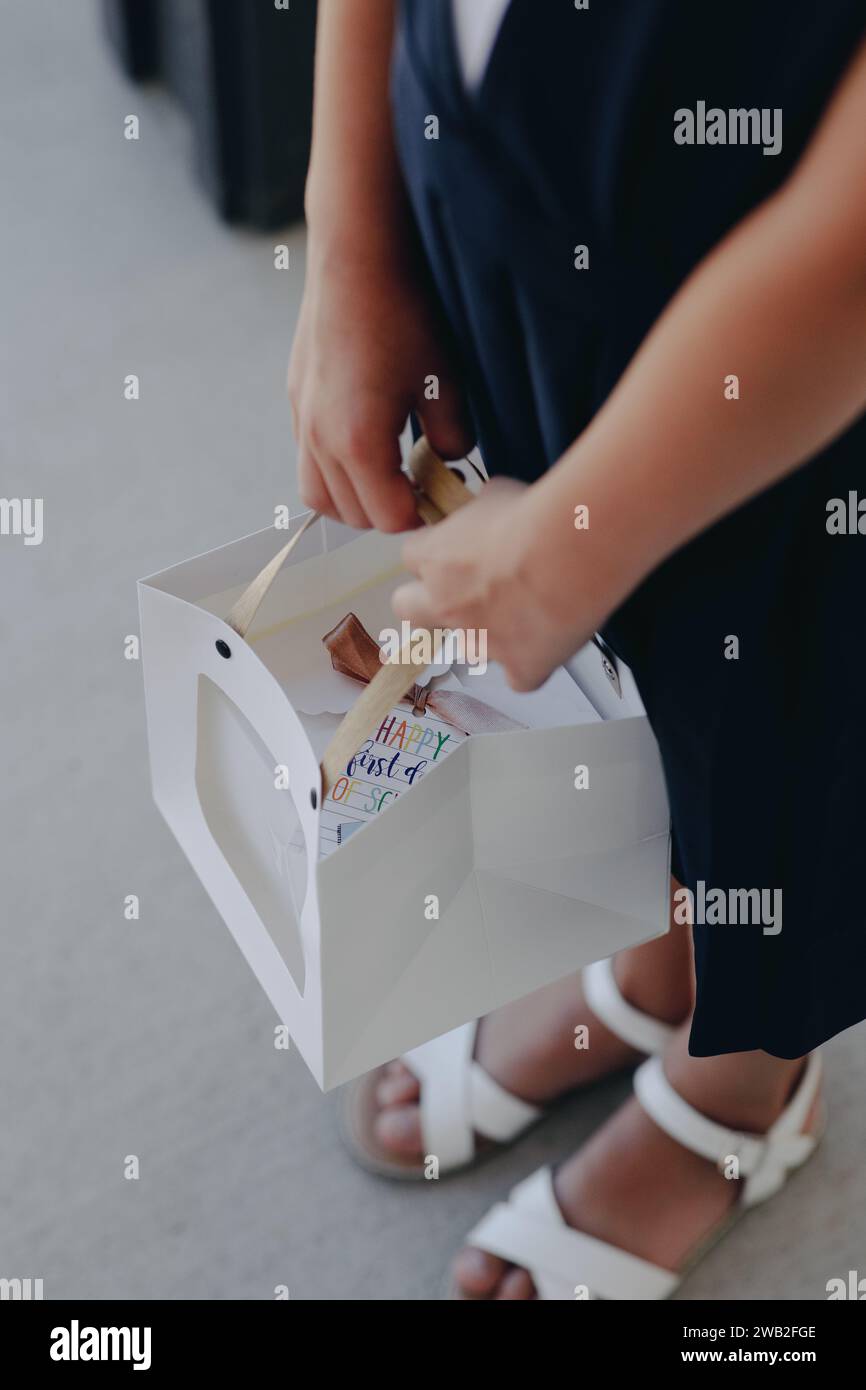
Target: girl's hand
367,339
486,568
365,344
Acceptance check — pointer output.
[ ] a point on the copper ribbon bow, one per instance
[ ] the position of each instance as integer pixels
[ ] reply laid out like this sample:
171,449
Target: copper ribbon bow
355,653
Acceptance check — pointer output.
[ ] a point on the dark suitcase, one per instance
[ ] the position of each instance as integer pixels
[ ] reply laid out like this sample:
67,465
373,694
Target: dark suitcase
243,70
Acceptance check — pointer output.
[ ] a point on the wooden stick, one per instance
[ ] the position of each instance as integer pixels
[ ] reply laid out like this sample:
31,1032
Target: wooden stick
385,690
440,493
435,481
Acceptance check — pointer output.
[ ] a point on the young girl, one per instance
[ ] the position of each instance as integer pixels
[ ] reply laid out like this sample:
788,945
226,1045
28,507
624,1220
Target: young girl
638,243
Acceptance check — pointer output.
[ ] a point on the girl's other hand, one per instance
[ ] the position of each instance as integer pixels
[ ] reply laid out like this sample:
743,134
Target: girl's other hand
487,568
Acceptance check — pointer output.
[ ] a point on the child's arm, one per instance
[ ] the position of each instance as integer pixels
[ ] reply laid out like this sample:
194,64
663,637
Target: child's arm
353,177
780,303
367,337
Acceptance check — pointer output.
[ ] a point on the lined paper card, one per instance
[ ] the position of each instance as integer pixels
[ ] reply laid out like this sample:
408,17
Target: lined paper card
400,753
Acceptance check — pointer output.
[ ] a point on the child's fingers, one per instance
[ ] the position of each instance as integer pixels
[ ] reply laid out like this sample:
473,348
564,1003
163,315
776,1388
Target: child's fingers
342,489
382,489
447,423
312,486
411,602
415,547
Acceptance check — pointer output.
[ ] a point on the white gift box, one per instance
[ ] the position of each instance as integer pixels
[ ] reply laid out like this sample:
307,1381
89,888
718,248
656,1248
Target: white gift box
531,876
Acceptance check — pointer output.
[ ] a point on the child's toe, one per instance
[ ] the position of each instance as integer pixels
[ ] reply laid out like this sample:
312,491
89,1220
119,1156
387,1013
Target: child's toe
398,1127
478,1274
515,1284
398,1089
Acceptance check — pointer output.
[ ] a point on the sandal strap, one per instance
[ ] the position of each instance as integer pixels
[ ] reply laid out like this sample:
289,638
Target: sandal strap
529,1230
496,1113
764,1160
602,994
459,1099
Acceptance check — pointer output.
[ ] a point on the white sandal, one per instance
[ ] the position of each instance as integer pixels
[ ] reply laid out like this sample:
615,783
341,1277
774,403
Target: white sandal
465,1114
530,1231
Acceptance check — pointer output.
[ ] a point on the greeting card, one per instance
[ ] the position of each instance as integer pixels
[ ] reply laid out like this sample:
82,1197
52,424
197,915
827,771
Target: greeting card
401,751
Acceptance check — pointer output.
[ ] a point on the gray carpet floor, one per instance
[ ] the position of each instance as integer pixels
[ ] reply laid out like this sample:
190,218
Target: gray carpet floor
151,1037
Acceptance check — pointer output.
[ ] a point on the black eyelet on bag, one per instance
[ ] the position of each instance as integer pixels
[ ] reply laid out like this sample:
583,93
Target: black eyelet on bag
224,649
314,800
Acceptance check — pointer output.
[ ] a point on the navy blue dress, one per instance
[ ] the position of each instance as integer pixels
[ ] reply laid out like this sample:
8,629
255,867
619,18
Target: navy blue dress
569,141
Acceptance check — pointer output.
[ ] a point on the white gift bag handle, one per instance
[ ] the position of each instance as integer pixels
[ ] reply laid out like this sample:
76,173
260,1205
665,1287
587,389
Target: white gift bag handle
439,492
